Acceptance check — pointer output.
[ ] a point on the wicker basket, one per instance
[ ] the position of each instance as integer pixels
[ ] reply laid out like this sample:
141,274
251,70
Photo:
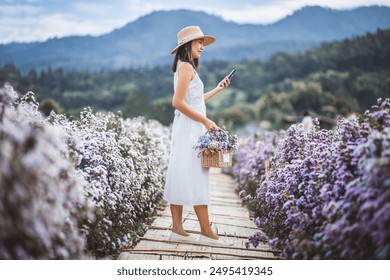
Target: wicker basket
219,159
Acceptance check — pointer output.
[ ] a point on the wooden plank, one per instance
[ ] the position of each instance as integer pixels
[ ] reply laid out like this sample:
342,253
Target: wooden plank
163,235
223,232
263,249
209,252
222,215
217,219
228,217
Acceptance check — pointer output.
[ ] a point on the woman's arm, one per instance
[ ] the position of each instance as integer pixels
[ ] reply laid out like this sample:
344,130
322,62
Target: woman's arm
221,86
185,75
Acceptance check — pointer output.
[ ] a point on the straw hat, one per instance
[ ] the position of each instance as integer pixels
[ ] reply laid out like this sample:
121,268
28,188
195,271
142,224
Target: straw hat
190,33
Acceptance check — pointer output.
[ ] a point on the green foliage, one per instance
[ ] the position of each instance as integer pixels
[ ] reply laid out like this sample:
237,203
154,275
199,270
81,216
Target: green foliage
162,110
136,104
273,107
238,114
48,105
334,79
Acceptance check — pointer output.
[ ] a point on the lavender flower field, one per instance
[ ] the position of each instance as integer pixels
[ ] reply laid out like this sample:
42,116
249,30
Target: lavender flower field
75,188
327,193
85,188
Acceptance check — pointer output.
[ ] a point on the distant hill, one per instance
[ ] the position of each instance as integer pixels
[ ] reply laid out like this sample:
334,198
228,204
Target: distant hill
149,39
334,79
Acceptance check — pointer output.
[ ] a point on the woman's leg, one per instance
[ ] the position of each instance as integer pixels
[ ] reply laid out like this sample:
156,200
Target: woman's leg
177,219
203,216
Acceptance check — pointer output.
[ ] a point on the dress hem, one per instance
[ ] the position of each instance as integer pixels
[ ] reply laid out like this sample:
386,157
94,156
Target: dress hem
187,204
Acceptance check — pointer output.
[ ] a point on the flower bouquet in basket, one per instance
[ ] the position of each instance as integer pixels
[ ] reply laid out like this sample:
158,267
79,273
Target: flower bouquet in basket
217,148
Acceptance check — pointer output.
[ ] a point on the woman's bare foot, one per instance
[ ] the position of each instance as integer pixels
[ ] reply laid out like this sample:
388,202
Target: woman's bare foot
181,232
210,235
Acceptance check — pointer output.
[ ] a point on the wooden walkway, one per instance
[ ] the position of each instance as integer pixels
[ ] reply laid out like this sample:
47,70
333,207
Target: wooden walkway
228,218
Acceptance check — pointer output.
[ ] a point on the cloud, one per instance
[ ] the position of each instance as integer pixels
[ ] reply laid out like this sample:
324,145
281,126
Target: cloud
27,23
40,28
337,4
33,20
272,11
255,14
11,11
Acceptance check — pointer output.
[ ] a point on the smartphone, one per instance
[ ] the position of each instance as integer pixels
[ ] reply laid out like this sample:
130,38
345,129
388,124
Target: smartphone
231,74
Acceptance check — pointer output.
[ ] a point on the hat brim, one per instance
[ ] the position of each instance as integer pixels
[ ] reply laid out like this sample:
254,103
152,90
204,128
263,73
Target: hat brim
208,40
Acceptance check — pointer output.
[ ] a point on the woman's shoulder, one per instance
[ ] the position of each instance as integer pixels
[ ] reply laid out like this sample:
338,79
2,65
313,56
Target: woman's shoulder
184,65
187,68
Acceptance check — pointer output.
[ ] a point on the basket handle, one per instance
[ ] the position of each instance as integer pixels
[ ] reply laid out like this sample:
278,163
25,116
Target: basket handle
211,130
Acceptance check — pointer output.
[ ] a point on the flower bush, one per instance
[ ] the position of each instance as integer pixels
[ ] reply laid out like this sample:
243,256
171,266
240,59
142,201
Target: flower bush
106,172
123,162
327,195
252,160
358,225
43,206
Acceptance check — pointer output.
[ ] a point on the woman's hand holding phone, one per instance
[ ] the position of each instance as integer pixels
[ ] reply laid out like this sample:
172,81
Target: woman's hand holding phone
226,81
220,86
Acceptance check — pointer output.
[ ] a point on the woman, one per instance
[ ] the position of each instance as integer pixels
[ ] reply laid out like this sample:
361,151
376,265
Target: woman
187,181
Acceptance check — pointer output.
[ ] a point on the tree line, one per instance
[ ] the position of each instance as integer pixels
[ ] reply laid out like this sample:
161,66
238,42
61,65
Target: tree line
334,79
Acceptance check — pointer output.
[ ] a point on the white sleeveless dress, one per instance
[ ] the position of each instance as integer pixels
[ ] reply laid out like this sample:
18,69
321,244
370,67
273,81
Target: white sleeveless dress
187,182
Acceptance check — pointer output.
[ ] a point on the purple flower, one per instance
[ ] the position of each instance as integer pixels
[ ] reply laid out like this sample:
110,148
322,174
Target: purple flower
217,140
323,194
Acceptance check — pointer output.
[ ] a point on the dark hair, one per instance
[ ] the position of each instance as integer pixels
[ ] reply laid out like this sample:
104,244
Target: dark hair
184,53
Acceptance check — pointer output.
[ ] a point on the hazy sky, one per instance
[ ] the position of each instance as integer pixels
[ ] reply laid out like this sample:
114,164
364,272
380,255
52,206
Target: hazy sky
37,20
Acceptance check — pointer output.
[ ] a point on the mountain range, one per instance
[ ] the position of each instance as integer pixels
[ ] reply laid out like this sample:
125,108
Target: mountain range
148,40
